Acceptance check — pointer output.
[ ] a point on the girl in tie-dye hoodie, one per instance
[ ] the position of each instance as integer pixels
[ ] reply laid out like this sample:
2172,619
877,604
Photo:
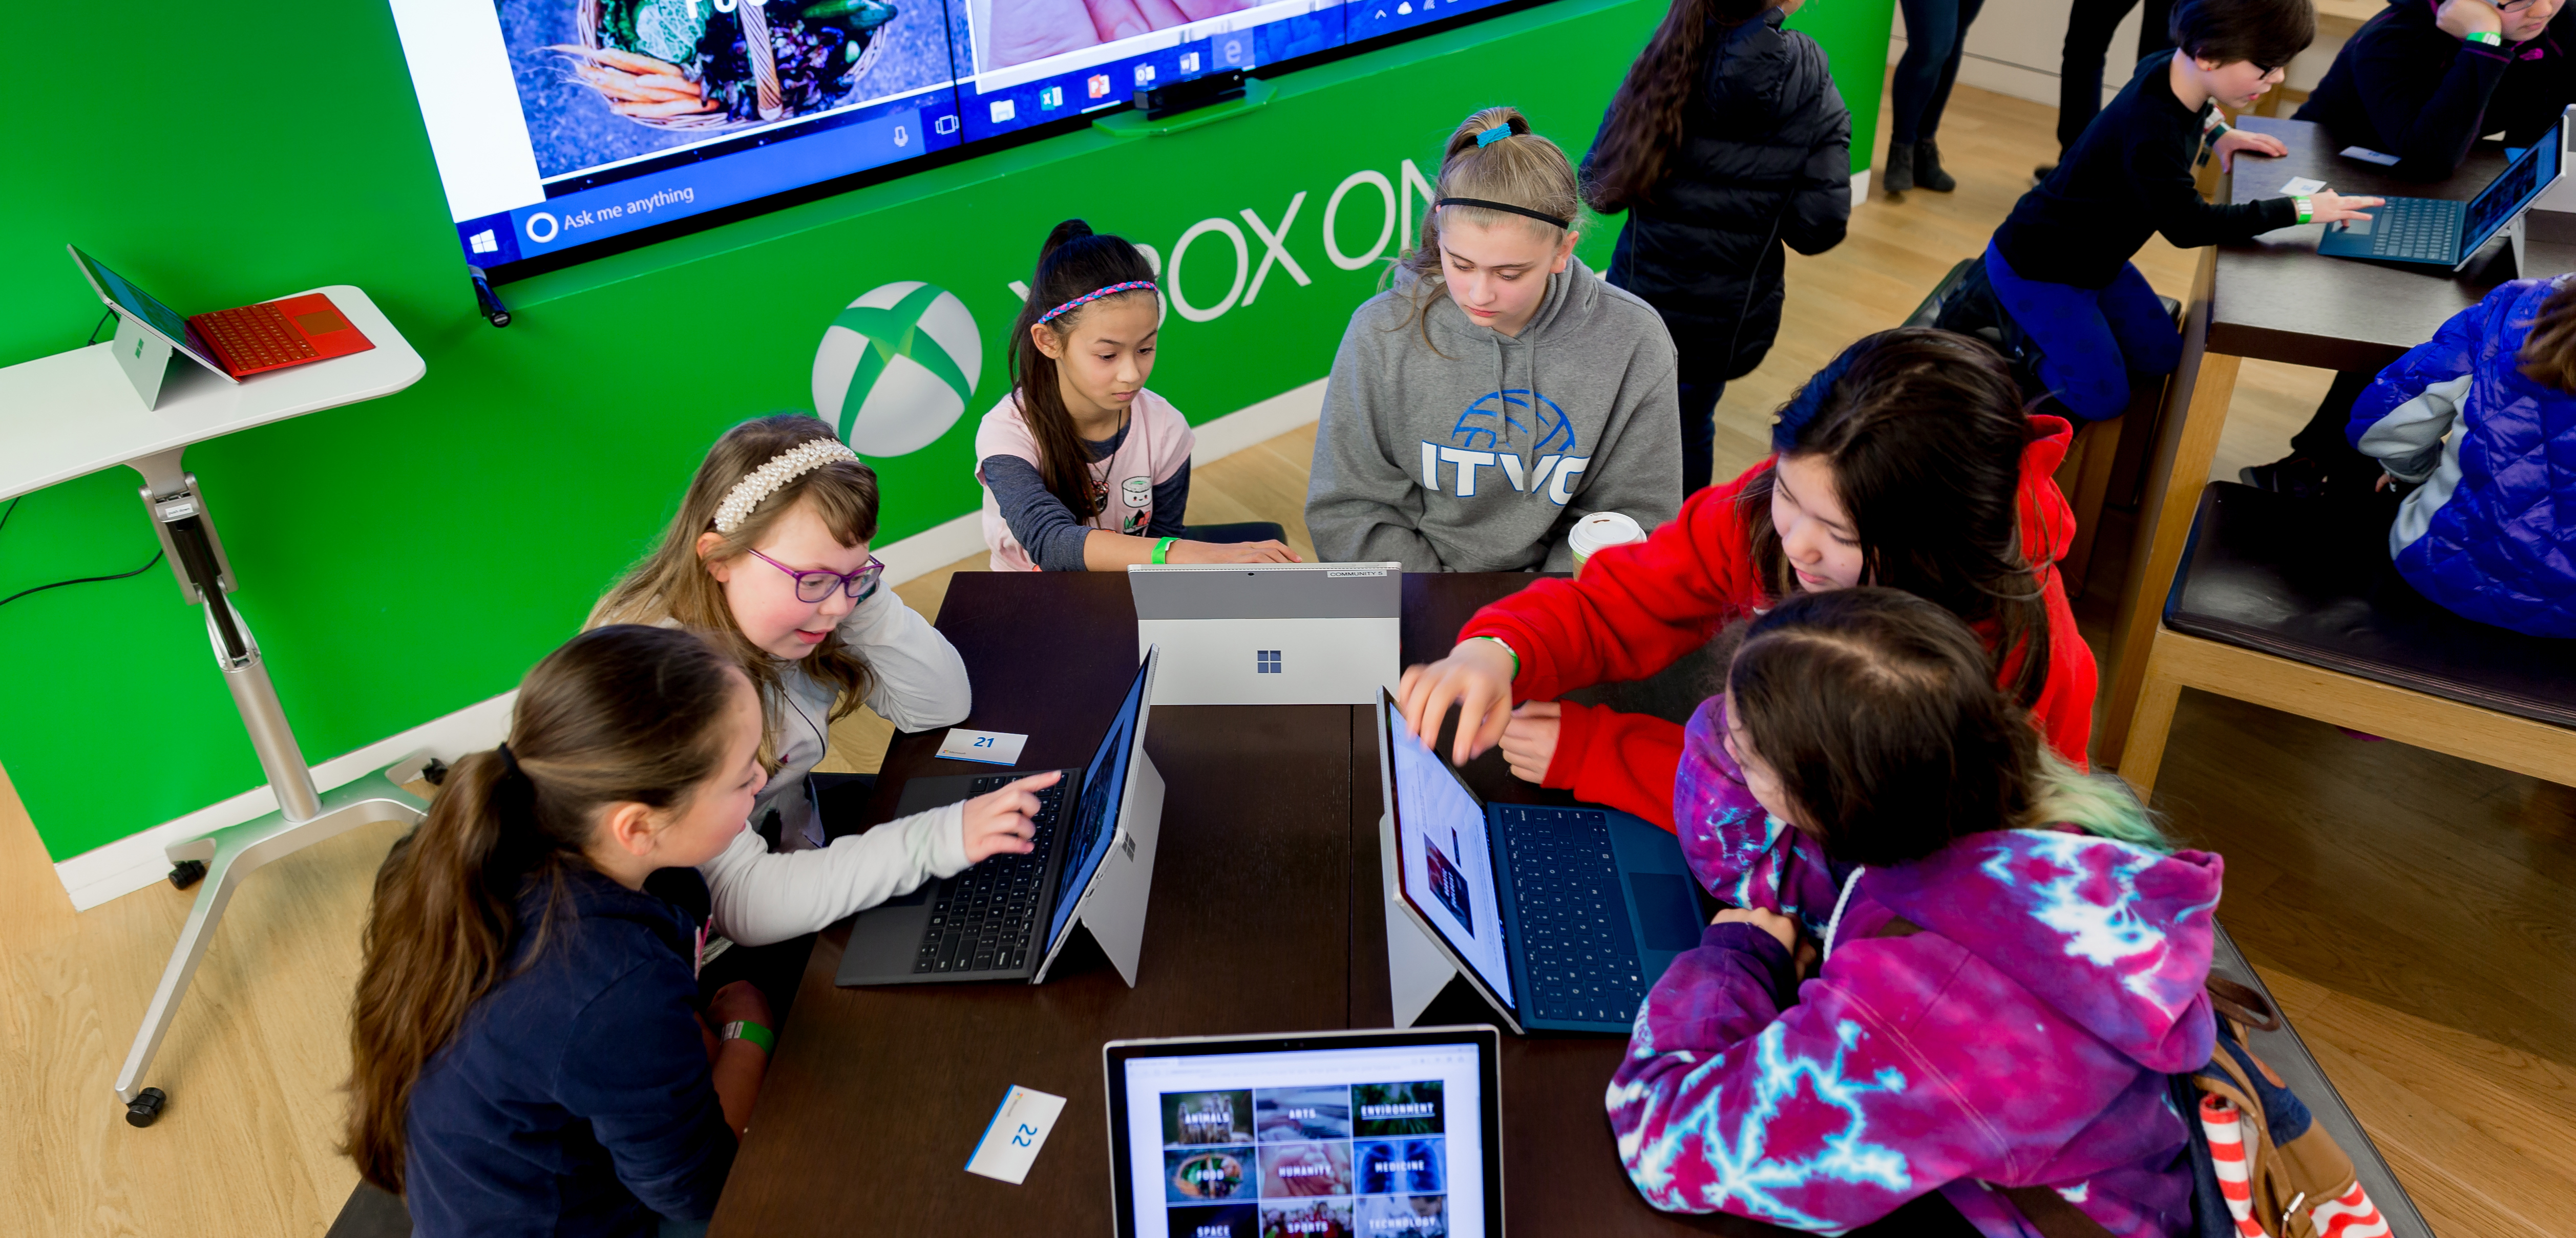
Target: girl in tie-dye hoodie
1954,964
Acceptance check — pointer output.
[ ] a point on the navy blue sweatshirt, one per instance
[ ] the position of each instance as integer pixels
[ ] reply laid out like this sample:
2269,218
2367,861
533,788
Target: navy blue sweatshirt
576,1098
2404,86
2127,178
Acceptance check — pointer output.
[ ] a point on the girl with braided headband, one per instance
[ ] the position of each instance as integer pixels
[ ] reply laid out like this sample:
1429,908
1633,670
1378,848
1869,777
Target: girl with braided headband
1083,468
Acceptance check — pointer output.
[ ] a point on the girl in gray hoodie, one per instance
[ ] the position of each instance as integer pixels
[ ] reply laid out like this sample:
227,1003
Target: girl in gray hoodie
1500,391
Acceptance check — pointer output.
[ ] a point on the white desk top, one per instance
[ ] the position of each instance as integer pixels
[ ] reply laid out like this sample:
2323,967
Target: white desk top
74,413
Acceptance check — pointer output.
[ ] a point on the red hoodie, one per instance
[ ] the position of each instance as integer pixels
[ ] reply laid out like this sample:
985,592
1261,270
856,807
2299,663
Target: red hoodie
1639,608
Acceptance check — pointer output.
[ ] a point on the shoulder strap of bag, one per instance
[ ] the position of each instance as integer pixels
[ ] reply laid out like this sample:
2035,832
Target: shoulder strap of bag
2050,1214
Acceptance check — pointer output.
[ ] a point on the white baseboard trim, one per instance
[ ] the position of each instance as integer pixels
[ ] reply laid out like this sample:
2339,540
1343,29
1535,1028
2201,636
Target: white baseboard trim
1860,185
133,862
136,861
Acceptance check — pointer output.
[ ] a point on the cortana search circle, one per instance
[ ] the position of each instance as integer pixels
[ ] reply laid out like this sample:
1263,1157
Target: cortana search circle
552,228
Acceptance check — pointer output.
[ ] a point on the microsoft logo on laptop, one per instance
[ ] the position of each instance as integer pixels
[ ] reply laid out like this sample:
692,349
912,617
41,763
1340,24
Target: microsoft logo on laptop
896,368
1265,662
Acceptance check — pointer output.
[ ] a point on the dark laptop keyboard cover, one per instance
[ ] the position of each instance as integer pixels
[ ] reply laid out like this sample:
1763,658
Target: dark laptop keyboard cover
2421,228
1574,923
982,919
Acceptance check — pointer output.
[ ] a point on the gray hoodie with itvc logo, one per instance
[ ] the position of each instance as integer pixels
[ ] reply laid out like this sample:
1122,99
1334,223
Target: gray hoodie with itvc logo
1476,451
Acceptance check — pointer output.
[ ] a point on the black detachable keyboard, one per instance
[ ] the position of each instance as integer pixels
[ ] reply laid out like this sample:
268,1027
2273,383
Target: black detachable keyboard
981,922
1574,923
2426,228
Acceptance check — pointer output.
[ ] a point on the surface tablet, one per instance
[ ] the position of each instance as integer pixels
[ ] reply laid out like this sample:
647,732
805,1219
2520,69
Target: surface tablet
1370,1134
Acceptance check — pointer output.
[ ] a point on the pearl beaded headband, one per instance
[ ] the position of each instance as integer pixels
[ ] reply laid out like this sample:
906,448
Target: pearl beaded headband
757,485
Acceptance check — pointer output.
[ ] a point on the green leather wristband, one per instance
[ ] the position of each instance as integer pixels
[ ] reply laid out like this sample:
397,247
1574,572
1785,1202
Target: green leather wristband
743,1029
1163,547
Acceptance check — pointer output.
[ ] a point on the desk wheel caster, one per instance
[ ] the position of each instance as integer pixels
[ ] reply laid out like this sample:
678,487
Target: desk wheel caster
146,1108
182,875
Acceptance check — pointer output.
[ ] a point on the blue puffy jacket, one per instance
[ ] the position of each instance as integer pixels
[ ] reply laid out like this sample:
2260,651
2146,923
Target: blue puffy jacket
2491,531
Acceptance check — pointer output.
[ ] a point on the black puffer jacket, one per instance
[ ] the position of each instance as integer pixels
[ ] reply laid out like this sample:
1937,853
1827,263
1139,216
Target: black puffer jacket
1765,160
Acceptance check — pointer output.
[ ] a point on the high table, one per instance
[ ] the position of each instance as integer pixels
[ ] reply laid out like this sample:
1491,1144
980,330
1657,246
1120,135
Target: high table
2276,299
1267,916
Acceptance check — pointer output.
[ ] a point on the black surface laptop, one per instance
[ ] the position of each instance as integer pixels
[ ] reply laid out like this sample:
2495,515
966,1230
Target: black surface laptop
1006,918
1561,917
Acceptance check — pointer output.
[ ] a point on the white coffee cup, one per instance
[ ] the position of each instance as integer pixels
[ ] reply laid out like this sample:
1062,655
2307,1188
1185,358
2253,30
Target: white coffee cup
1600,529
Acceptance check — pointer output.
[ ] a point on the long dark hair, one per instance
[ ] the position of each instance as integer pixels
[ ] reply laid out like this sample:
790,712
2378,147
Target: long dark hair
2548,354
1924,431
672,582
621,713
1877,712
1075,261
1645,122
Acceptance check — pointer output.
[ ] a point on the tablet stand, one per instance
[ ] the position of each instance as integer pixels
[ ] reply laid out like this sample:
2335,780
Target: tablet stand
1416,970
122,403
1112,910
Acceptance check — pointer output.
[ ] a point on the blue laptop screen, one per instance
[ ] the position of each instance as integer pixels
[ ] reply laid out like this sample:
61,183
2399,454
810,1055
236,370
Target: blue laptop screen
1103,786
2508,194
1447,869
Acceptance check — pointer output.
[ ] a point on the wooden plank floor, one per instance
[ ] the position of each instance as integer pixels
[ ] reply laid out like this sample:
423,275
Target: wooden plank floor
2415,913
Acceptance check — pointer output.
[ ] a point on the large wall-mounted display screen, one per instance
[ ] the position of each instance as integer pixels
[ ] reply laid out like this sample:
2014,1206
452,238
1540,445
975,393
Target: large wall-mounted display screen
562,124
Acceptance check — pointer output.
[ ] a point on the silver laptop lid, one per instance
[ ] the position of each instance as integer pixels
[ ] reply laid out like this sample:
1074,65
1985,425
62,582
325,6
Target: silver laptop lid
1267,590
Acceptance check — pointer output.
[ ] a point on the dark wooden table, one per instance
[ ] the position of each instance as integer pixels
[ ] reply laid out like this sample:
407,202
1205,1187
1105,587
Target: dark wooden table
1266,916
2276,299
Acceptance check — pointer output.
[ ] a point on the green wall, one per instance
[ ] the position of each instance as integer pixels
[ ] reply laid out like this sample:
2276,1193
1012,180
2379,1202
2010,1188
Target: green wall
405,557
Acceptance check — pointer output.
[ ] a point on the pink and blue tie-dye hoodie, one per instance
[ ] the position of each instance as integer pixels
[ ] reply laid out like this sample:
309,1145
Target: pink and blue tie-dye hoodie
2021,1038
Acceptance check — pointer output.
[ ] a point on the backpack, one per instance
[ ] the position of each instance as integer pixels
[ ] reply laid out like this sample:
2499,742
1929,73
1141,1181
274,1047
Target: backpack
2261,1166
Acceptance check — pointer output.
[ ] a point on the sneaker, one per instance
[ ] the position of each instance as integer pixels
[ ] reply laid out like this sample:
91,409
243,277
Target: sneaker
1927,168
1900,169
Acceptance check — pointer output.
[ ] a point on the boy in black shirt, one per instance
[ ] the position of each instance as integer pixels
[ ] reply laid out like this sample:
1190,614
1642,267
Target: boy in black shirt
2060,265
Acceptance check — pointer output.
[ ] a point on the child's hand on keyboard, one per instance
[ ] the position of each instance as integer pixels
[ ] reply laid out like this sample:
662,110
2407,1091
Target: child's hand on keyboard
998,823
2326,207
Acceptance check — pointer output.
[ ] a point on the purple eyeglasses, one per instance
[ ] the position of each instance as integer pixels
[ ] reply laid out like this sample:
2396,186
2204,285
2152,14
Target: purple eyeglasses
815,586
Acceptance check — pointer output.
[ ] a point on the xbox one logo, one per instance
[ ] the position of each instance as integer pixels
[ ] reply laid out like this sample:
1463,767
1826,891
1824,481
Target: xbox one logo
897,367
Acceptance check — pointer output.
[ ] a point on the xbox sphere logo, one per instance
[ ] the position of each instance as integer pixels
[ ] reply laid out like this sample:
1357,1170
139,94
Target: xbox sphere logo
897,367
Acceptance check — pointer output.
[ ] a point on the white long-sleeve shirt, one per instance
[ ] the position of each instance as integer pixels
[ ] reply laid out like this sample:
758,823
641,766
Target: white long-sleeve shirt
761,896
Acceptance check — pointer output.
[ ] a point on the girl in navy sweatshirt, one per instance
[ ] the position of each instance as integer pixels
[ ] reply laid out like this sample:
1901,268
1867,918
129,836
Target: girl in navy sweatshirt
2059,266
527,1053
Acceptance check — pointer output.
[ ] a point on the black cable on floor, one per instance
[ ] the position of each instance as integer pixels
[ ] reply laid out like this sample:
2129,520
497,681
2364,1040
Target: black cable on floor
84,580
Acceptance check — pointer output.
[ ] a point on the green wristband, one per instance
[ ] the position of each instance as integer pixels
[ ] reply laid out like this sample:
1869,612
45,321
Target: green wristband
1163,548
1515,656
744,1029
2306,208
2487,37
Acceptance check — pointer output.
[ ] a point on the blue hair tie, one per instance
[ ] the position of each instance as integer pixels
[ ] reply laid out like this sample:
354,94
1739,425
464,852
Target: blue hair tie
1493,135
1802,408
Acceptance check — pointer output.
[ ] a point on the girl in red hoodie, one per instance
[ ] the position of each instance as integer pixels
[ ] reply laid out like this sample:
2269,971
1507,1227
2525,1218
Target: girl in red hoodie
1907,462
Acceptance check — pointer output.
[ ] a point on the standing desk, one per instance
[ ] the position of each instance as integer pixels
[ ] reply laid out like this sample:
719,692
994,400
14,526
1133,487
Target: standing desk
75,413
2275,299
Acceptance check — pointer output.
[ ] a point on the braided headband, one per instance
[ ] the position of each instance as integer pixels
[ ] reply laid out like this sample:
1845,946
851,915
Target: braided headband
1506,206
762,482
1089,297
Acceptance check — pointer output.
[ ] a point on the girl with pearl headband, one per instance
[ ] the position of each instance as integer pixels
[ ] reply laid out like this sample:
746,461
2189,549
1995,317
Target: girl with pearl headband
768,561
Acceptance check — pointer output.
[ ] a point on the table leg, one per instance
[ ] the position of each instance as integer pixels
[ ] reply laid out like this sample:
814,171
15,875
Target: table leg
2195,413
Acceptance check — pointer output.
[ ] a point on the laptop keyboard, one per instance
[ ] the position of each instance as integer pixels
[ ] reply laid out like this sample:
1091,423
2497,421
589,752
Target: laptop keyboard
981,922
2425,228
1574,923
254,337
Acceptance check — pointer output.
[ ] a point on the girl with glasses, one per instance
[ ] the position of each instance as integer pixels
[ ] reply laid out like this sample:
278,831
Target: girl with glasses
768,561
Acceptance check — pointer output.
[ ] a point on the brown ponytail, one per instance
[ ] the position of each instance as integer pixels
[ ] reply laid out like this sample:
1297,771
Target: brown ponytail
1074,262
619,714
1645,121
2549,353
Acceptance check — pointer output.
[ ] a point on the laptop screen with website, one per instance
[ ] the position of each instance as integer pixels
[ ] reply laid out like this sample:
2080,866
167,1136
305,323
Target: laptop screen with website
2506,195
1378,1142
1447,868
1104,783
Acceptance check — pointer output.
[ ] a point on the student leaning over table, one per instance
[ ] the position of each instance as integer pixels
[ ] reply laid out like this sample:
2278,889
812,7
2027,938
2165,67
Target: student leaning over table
1955,964
768,560
1500,392
1906,461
